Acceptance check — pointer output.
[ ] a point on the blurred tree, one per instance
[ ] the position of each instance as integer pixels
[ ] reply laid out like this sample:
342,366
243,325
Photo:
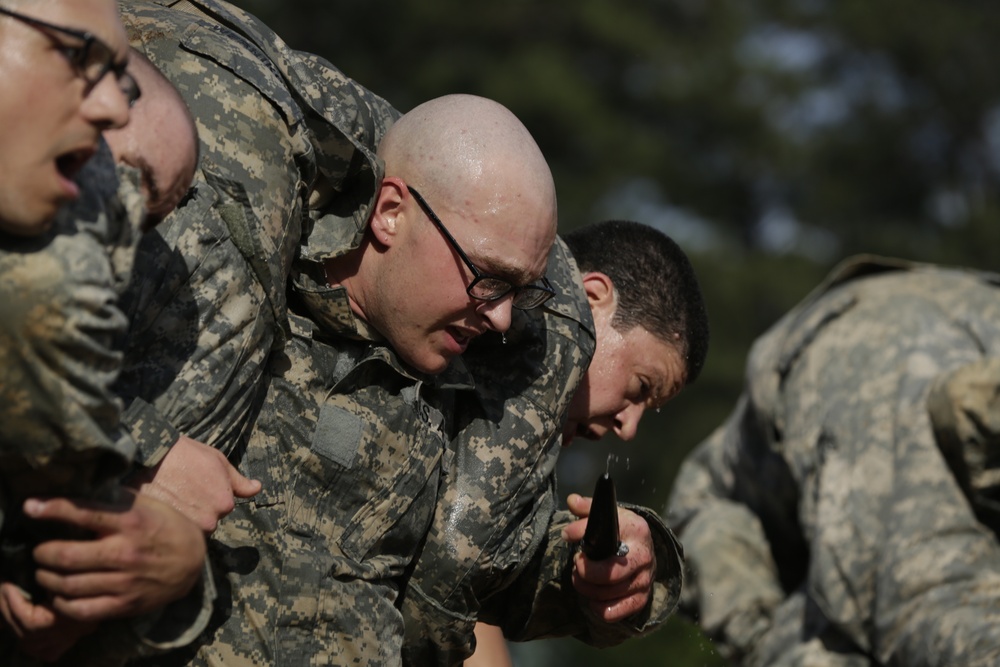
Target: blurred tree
769,137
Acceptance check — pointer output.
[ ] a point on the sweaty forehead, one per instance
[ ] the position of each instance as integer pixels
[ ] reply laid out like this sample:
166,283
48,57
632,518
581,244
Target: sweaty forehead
513,244
518,259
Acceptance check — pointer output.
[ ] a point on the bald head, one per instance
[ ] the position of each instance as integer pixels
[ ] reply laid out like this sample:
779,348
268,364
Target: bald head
467,197
160,140
463,149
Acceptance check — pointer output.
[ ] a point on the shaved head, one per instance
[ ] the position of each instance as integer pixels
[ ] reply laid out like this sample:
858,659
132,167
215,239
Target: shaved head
458,147
467,165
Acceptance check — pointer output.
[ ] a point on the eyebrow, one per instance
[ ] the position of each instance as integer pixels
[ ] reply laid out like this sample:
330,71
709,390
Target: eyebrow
502,269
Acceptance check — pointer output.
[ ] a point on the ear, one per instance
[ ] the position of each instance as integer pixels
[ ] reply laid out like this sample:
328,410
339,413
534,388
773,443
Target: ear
600,292
385,212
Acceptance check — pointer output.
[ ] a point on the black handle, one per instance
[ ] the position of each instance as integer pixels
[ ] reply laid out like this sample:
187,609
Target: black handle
601,539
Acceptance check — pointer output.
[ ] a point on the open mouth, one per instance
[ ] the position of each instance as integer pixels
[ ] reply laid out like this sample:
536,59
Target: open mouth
69,164
463,337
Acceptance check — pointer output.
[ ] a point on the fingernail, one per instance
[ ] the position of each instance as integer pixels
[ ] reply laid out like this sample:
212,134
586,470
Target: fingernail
33,506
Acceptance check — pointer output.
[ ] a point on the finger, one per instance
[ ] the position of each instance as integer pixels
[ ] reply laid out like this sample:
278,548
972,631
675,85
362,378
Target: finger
579,505
608,581
22,614
69,556
243,487
633,566
85,585
100,518
8,609
613,611
590,576
95,609
573,532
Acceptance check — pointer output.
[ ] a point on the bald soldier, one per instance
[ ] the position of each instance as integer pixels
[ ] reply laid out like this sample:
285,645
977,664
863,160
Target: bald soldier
352,429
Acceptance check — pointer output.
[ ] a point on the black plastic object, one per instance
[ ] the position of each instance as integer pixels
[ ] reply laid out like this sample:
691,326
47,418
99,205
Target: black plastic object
601,539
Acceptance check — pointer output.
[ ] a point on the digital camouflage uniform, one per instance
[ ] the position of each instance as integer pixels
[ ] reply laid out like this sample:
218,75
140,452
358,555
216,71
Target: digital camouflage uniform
821,521
282,174
215,264
59,326
348,447
494,552
60,352
312,585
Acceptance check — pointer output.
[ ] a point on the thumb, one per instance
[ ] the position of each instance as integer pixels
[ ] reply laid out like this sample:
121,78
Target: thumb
243,487
579,505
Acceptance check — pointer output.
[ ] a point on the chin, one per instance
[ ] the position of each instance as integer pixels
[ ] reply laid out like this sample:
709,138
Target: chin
431,366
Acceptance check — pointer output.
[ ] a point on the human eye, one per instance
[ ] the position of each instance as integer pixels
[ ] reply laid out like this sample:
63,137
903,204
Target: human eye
490,287
76,55
642,390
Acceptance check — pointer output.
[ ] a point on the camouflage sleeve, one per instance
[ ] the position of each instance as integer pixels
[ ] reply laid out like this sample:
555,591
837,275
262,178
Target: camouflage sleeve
209,303
940,574
731,585
59,328
832,451
59,348
545,604
899,563
345,122
281,132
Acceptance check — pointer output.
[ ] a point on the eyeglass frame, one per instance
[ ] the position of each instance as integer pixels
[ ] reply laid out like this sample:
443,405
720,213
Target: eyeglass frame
126,82
479,276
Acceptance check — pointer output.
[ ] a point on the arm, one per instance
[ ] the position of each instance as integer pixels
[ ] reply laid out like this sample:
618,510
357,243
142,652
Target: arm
899,566
491,648
61,431
561,593
943,570
72,444
732,584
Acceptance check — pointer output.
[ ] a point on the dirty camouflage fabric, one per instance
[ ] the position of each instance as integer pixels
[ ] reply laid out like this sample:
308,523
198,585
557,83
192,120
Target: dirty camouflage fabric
494,551
60,349
58,333
821,521
210,302
348,446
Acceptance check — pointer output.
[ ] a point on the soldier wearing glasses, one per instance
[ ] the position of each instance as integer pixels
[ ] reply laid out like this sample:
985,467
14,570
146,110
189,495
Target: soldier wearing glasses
401,260
498,551
67,236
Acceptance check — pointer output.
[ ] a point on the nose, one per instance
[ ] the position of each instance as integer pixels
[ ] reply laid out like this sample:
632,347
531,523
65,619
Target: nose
627,420
106,105
498,313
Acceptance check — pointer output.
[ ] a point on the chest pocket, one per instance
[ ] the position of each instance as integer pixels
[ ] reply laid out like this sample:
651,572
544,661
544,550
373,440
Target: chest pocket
356,465
368,480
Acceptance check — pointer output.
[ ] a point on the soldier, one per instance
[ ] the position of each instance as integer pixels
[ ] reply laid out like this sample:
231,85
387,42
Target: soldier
636,298
67,244
821,521
352,428
211,302
161,141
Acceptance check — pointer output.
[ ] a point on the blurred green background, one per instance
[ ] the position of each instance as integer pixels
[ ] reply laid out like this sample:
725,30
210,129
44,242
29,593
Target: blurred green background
770,138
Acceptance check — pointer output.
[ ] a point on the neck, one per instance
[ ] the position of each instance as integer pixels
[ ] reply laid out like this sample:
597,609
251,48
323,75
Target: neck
346,271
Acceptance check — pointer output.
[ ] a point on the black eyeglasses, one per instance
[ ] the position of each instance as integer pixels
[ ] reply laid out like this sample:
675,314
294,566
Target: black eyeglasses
91,61
485,287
